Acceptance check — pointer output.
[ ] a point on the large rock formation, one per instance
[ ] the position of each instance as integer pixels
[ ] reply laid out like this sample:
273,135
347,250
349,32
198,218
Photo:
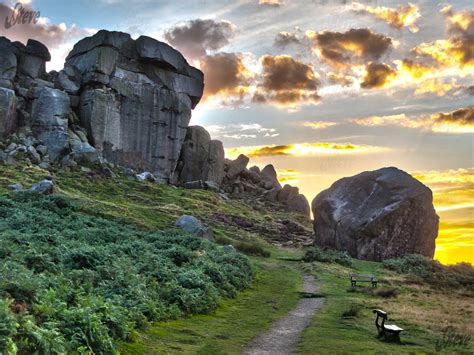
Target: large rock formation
201,158
376,215
202,165
135,99
127,100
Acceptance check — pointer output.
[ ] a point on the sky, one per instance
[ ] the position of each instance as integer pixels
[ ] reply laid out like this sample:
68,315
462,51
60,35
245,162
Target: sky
321,89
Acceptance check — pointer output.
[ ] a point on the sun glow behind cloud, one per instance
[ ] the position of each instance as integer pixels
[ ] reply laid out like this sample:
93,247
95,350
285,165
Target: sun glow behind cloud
303,149
404,16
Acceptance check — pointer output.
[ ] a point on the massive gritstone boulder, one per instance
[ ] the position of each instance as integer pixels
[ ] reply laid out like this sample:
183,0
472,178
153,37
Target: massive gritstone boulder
128,101
135,98
376,215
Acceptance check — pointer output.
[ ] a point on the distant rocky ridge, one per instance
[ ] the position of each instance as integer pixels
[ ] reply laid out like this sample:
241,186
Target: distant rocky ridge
126,102
376,215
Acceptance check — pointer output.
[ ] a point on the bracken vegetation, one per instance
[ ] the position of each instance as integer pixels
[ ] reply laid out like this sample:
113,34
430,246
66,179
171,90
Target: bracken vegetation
72,282
433,272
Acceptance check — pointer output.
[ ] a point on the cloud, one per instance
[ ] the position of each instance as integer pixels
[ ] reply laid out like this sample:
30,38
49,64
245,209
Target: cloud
437,86
288,176
455,122
242,130
271,3
287,82
377,75
341,49
304,149
226,75
462,116
404,16
284,39
195,38
319,124
414,69
51,35
455,51
341,79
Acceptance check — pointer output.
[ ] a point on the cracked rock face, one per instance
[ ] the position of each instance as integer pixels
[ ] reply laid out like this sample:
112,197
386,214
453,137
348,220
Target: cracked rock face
130,100
201,158
376,215
136,98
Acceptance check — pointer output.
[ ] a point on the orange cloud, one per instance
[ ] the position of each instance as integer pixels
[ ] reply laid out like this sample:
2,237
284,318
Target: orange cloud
455,51
341,49
455,122
288,176
303,149
341,79
287,82
378,75
225,75
404,16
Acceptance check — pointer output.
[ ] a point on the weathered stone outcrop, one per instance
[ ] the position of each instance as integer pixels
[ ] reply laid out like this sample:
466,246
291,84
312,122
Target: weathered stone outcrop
201,158
135,98
376,215
126,100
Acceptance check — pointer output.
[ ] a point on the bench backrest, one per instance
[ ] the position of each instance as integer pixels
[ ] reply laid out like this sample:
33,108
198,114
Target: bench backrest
367,277
380,314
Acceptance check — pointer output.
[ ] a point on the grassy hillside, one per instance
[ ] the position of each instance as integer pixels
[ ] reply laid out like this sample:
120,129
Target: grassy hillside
101,266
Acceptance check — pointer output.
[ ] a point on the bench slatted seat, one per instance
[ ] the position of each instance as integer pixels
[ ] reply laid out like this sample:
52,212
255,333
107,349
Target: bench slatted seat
387,331
363,278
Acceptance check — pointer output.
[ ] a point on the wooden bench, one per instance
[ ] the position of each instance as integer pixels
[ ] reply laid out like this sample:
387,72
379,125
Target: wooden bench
363,278
389,332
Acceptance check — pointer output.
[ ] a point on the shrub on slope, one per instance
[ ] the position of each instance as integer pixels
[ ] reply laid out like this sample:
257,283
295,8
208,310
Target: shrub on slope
74,282
432,271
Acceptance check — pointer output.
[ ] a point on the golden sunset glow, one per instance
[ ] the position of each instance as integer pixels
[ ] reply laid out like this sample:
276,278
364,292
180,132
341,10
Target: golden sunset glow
303,149
404,16
438,123
453,198
449,53
288,176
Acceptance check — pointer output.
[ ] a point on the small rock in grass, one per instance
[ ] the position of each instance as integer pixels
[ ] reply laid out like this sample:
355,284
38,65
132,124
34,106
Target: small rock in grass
44,187
15,187
192,225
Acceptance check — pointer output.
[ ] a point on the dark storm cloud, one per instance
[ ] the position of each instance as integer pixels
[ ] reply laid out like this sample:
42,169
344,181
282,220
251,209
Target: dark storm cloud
353,46
377,75
196,37
225,74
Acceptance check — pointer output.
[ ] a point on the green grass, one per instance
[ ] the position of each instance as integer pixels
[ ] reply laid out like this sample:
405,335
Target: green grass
155,206
330,332
74,282
235,323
